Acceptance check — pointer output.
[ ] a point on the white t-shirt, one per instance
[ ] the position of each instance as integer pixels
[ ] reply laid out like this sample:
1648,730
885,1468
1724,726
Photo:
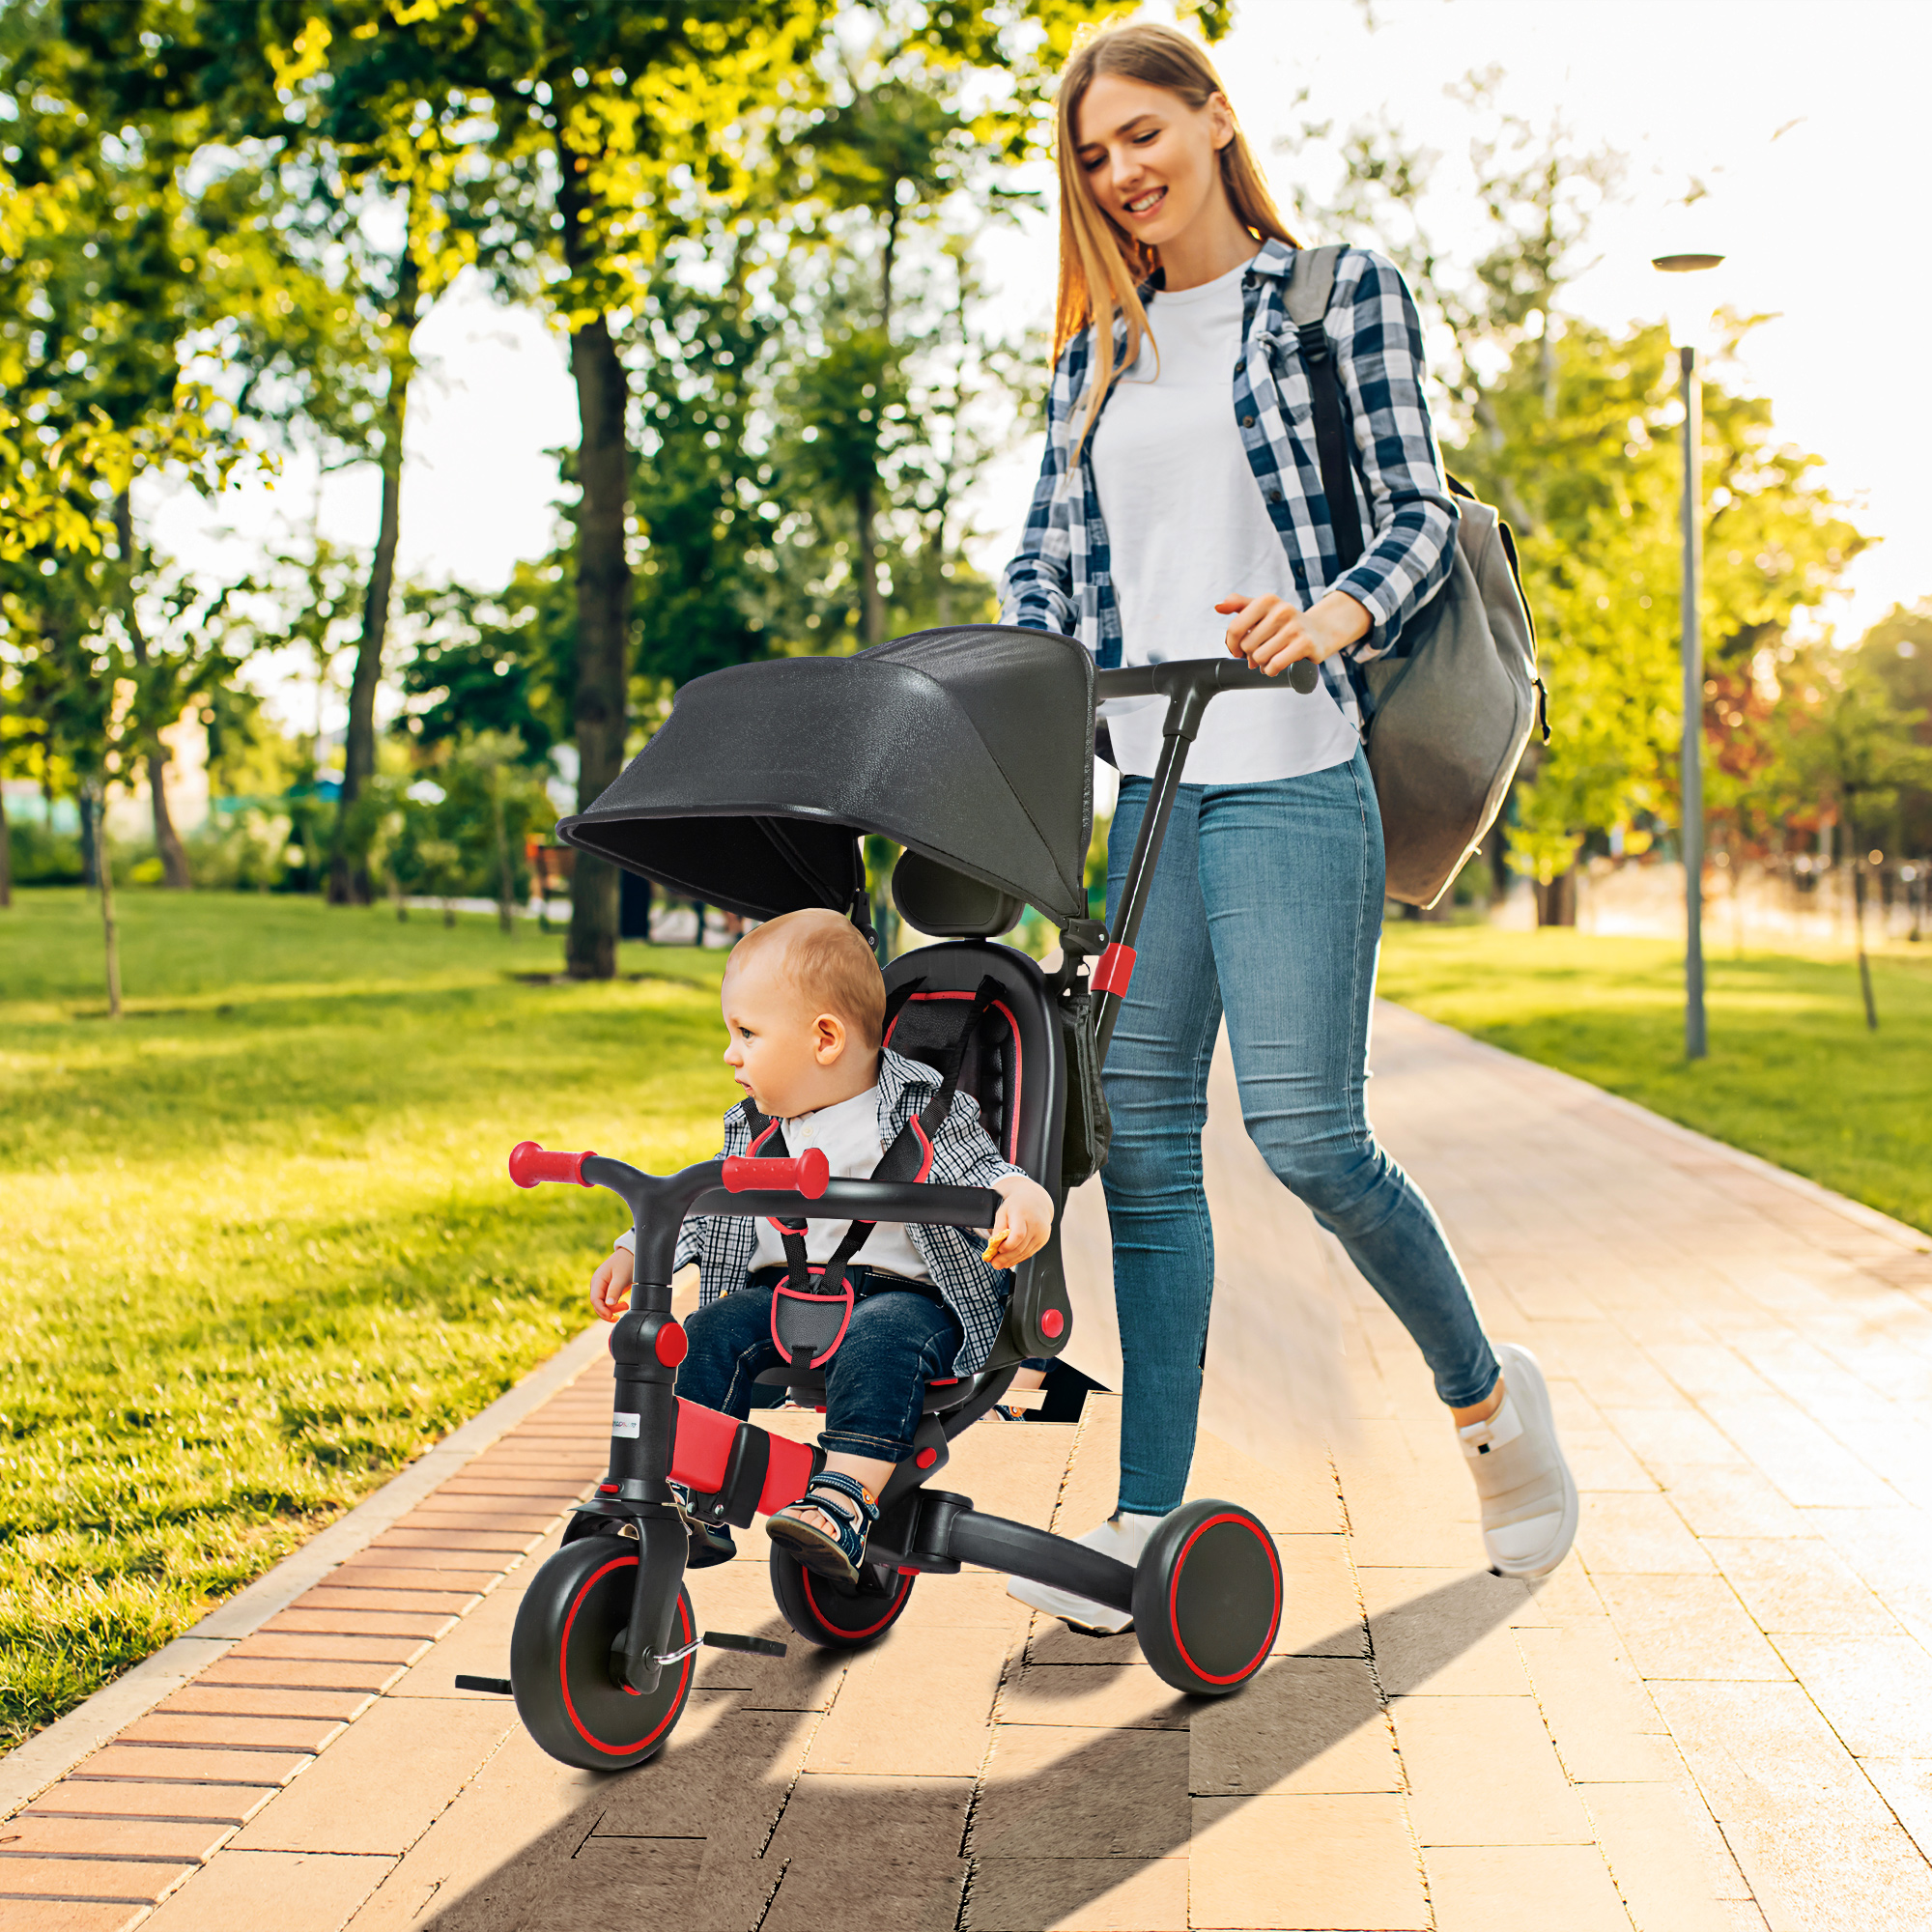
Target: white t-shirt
848,1134
1187,527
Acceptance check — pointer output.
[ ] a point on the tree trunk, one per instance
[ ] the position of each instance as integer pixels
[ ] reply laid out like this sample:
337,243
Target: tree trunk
167,841
7,856
1858,925
90,846
603,632
110,938
506,876
872,606
1556,902
348,872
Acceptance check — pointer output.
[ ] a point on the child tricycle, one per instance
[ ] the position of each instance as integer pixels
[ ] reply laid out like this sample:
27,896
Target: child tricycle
970,748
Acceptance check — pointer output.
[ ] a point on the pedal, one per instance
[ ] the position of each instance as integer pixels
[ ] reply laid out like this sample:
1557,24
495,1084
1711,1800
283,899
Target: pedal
498,1687
757,1646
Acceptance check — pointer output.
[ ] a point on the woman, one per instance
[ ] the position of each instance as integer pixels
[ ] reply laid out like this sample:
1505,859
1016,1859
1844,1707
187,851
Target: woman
1178,513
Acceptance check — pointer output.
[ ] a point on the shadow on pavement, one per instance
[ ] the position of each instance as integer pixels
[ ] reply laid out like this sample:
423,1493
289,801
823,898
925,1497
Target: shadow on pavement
722,1835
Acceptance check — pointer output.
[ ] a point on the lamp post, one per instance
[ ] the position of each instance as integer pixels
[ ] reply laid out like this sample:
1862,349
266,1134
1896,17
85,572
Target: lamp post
1684,333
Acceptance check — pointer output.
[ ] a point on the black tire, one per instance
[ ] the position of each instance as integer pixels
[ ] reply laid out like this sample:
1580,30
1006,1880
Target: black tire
837,1616
1208,1598
574,1609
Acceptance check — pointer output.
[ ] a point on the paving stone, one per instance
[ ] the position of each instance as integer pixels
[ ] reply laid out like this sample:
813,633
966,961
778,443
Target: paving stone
269,1674
1117,1696
32,1833
234,1733
1761,1754
89,1881
1875,1691
319,1622
322,1646
1521,1797
272,1891
383,1783
349,1597
1601,1719
204,1699
1623,1535
362,1573
493,1860
433,1543
1805,1587
162,1764
1523,1888
192,1804
871,1852
1667,1859
1099,1793
1078,1895
1688,1627
917,1704
47,1914
1447,1634
1301,1725
1293,1864
479,1646
726,1775
1833,1877
520,1521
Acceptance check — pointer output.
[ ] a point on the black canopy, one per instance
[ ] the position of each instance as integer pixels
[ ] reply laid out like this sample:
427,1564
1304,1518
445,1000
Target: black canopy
973,746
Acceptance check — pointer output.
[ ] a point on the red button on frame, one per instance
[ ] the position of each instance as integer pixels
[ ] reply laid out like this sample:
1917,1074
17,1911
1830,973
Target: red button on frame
673,1345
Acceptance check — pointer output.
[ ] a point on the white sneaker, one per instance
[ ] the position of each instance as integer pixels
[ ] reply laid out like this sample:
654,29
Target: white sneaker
1122,1537
1528,1492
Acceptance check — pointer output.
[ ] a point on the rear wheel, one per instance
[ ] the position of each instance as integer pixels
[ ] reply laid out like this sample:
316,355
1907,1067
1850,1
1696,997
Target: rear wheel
839,1616
1208,1598
568,1695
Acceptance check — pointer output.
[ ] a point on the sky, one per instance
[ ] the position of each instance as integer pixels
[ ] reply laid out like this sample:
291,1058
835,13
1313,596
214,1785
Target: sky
1805,121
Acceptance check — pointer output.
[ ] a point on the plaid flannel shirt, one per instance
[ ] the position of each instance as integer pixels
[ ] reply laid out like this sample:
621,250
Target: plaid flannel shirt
1062,578
964,1155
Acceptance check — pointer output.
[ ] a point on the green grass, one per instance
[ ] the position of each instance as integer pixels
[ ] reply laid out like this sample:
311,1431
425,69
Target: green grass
260,1245
1792,1075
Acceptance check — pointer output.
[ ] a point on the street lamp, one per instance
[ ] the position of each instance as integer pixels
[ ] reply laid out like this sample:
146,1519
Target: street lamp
1687,329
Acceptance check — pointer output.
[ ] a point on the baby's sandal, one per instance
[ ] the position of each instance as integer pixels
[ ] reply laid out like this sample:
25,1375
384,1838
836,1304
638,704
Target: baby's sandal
801,1527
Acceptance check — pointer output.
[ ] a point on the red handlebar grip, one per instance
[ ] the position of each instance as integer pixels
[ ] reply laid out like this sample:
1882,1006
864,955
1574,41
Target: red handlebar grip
807,1174
531,1164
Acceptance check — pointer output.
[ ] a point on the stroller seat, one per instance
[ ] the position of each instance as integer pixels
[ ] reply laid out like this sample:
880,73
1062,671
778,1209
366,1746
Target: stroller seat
1013,1070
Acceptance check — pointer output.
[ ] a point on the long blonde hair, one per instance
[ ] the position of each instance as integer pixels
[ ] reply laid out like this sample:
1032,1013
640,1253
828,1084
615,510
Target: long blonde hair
1096,255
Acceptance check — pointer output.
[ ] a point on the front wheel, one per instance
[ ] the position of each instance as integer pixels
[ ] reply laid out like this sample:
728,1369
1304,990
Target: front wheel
1208,1598
837,1616
568,1695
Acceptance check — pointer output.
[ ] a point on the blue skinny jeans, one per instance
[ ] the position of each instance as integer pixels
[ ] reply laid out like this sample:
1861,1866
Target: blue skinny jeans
874,1383
1266,906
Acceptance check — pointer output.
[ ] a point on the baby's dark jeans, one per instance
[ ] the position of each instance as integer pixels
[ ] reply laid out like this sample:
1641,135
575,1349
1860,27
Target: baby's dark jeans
874,1383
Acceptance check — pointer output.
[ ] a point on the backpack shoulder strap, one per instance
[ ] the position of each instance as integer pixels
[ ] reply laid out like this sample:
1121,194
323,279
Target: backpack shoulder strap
1311,283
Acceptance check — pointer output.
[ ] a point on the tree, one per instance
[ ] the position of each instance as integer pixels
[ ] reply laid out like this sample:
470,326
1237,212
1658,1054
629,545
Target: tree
1858,751
1569,428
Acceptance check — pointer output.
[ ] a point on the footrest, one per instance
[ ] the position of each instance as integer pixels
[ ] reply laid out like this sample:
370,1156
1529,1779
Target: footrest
757,1646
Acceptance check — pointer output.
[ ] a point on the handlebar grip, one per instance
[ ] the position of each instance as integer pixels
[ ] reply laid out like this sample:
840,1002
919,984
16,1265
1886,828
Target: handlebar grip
806,1173
531,1164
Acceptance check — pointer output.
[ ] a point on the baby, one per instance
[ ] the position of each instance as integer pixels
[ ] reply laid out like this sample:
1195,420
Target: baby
805,1006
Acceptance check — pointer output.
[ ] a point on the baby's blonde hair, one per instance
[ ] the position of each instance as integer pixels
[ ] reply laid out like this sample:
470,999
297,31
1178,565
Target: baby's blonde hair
826,959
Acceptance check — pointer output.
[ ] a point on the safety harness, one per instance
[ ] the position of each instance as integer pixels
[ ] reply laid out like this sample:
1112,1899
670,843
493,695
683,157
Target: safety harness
809,1322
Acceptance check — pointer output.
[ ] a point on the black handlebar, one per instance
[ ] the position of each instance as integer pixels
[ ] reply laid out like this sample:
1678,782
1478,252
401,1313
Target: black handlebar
1185,676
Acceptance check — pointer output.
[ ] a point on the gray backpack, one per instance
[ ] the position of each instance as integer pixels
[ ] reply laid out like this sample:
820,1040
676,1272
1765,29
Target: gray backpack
1445,723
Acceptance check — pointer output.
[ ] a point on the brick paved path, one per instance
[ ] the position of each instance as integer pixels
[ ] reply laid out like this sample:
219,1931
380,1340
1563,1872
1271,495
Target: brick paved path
1713,1718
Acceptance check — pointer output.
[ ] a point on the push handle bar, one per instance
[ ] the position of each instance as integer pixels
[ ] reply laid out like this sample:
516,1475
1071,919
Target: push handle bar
1206,674
806,1172
531,1164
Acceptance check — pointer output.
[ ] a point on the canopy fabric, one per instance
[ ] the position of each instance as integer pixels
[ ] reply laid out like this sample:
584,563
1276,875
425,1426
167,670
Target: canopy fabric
971,745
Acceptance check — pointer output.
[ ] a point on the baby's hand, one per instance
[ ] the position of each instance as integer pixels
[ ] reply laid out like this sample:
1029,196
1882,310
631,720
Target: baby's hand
611,1285
1023,1223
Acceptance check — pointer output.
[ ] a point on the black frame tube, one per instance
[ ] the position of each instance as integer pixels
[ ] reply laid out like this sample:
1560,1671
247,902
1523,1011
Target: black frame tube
1021,1550
1187,684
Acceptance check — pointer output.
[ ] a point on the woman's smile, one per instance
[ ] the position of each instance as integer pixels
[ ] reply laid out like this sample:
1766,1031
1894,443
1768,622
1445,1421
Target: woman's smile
1145,202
